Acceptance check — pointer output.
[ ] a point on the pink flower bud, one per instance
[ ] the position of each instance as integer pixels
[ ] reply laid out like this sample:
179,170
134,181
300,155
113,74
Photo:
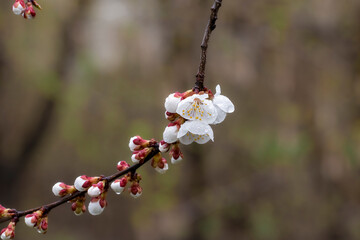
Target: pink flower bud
84,182
162,166
29,11
137,143
18,7
139,156
122,165
9,231
6,212
118,185
176,154
97,205
43,225
164,146
78,207
60,189
135,190
31,220
96,189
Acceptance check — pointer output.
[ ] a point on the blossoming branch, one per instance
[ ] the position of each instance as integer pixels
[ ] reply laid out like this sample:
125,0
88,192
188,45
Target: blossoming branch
190,114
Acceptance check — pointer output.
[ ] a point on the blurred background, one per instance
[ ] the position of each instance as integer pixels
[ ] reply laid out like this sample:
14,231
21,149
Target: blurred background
84,76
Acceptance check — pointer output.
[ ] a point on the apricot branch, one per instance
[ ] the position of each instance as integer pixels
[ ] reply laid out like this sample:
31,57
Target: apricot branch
190,114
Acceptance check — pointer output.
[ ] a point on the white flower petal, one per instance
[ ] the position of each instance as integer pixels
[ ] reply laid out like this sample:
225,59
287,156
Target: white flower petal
224,103
170,134
195,131
220,116
187,139
218,90
171,103
201,139
198,128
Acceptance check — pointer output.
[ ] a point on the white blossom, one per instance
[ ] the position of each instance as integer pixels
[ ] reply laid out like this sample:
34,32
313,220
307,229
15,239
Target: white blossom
223,105
195,131
197,108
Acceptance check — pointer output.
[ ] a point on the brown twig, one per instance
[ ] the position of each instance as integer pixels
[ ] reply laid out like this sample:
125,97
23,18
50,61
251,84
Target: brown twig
63,200
200,76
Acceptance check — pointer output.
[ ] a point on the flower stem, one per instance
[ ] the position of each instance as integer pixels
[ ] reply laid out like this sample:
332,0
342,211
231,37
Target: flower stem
200,76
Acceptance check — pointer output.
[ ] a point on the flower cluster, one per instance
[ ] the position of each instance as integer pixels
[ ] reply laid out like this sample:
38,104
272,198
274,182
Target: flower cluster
25,10
191,113
38,220
141,148
119,185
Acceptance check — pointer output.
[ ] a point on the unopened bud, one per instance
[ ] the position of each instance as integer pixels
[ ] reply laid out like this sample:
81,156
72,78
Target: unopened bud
43,225
172,101
31,220
18,7
9,231
122,165
97,205
164,146
137,143
96,189
29,11
6,212
162,166
78,207
135,190
84,182
60,189
118,185
176,154
139,156
170,133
